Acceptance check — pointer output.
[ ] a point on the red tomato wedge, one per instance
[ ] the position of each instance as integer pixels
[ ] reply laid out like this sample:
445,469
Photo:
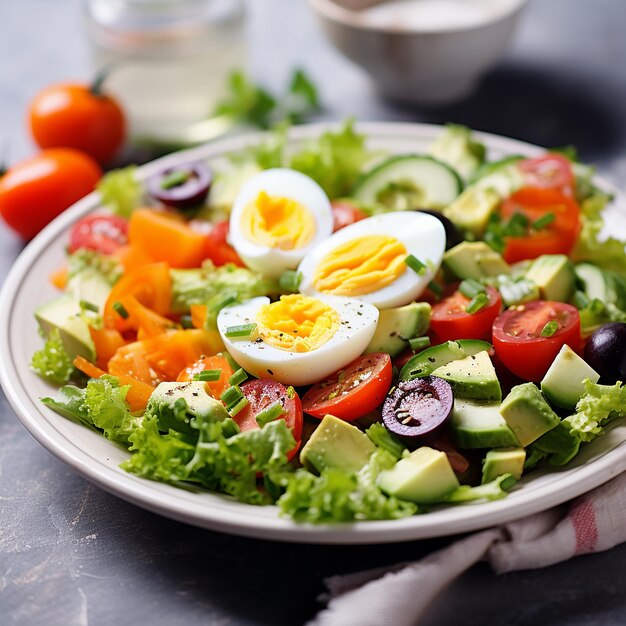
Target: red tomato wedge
345,213
263,393
450,321
519,343
557,237
217,362
102,233
217,247
353,391
551,170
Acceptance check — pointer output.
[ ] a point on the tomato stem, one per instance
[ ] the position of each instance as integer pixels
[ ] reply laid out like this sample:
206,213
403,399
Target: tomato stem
101,76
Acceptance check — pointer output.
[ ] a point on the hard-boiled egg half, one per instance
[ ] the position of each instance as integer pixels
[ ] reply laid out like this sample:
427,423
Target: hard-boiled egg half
297,340
277,218
368,260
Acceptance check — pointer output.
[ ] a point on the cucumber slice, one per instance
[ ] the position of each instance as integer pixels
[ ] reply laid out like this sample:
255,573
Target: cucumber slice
427,361
409,182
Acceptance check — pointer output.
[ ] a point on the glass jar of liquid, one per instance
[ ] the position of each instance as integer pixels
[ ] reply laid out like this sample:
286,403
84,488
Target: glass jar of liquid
167,62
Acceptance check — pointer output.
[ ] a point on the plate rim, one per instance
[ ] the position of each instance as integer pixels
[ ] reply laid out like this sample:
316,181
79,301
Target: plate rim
236,518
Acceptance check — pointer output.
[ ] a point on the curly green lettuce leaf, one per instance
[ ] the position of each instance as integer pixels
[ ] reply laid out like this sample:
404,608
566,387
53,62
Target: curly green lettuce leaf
335,496
334,159
382,438
53,362
599,405
120,191
608,253
212,285
101,404
494,490
216,456
456,147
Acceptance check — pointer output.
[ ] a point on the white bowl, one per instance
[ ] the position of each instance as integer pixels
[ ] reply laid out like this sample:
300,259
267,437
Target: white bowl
422,63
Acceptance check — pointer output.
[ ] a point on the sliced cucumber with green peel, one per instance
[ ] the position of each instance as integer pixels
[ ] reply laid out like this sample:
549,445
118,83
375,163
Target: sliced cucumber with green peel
427,361
409,182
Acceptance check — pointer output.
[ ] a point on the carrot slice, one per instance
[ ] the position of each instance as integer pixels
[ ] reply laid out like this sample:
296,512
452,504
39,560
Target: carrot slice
217,362
166,238
107,342
147,322
150,284
132,257
137,396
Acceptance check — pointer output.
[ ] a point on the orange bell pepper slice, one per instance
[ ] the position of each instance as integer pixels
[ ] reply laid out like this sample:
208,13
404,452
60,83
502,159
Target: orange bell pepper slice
166,238
107,342
217,362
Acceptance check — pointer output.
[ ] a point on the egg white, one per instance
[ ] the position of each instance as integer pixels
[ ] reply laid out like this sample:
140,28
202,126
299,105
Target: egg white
422,235
356,329
286,183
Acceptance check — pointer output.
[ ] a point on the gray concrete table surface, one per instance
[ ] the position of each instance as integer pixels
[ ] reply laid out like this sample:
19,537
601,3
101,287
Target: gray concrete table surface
72,555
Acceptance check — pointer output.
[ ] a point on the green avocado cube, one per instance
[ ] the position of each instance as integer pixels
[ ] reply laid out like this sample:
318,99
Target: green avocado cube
337,444
474,259
527,413
503,461
554,276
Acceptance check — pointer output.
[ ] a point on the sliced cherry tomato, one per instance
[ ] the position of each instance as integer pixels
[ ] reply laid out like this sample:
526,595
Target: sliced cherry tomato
217,362
557,237
102,233
217,247
80,117
263,393
33,192
353,391
550,171
449,319
518,341
345,213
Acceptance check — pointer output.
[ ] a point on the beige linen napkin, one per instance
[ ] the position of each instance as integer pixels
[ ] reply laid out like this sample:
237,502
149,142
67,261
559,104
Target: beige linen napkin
400,594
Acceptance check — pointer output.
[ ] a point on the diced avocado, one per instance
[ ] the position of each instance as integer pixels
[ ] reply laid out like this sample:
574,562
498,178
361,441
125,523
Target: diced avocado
396,326
472,209
563,383
554,275
337,444
527,413
472,377
424,476
518,291
90,286
424,363
559,444
456,147
503,461
474,259
476,425
176,404
64,313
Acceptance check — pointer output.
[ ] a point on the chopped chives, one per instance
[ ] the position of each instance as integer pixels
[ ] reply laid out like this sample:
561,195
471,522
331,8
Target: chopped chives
550,328
242,330
436,288
419,343
238,377
175,179
120,309
478,302
516,226
89,306
208,376
415,264
269,414
290,280
231,396
543,221
470,288
242,404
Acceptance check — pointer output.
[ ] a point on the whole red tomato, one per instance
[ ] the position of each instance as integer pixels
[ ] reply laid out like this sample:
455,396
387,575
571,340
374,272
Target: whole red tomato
78,116
35,191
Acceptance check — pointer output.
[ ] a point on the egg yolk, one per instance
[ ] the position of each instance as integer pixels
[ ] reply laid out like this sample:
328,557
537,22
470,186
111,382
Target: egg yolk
360,266
297,323
277,222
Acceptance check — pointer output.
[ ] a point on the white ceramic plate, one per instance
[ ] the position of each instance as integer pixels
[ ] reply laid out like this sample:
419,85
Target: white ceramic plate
98,460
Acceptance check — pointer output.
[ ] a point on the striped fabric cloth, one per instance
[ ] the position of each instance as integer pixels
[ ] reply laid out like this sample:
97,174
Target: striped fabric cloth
401,594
